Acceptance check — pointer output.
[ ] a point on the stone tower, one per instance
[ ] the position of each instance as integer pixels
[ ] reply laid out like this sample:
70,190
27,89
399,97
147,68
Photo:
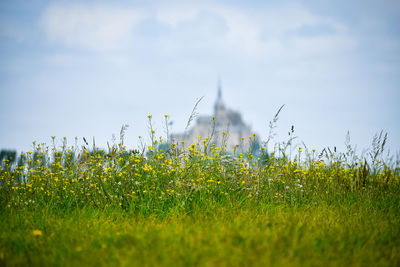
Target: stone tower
226,120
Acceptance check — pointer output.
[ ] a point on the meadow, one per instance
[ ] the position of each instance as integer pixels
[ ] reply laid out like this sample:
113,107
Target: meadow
167,204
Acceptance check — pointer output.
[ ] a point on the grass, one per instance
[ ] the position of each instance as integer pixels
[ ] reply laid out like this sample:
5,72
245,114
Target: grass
63,206
347,234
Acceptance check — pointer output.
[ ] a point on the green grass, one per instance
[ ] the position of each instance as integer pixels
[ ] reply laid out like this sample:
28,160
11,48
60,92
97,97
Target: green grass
354,232
199,206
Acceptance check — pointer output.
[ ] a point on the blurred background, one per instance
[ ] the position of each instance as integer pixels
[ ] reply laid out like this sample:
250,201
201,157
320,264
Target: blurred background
85,68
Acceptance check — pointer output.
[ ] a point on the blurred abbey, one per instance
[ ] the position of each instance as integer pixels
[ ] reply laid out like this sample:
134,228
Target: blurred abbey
225,127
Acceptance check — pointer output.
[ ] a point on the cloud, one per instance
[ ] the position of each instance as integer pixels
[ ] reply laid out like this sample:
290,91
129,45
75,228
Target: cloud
264,33
237,28
313,30
271,32
206,25
93,27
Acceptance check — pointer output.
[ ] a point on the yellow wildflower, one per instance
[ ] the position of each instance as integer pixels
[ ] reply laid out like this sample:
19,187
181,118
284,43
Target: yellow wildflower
37,232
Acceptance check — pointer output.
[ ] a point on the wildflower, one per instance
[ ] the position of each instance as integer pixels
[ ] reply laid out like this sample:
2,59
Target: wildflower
37,232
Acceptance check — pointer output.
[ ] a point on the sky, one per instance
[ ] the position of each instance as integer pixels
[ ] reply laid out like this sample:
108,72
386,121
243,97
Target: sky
85,68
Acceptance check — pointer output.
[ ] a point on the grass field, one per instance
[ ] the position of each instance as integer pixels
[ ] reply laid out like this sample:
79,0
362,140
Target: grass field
64,206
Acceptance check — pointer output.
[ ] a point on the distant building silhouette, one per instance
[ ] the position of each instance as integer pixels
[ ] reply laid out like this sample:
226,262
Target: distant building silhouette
229,128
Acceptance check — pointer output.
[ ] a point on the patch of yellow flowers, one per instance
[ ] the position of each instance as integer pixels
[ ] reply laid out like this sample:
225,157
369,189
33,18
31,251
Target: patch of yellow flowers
68,178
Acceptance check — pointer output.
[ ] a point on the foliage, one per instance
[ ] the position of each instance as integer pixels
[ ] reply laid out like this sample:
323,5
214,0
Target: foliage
8,155
200,205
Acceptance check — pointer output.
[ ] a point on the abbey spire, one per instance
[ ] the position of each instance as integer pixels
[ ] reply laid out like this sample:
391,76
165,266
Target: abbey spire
219,96
219,104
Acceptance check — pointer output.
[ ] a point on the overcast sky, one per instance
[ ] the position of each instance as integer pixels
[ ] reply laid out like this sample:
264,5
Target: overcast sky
84,68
